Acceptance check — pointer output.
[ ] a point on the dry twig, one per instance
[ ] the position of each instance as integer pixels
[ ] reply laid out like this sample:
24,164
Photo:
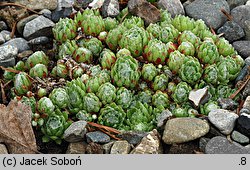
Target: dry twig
18,5
242,86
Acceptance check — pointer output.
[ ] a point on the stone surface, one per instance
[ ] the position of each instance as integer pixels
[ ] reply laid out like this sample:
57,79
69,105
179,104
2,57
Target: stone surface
227,103
46,12
220,145
184,148
97,137
198,96
7,52
3,149
209,11
20,43
96,4
235,3
247,61
242,47
243,124
142,8
248,2
3,26
38,4
180,130
120,147
246,104
75,132
76,148
150,144
110,8
203,143
247,29
224,120
21,24
231,31
240,138
64,9
38,27
132,137
6,35
82,3
24,54
94,148
107,147
246,91
241,14
39,40
2,40
162,118
242,73
174,7
8,62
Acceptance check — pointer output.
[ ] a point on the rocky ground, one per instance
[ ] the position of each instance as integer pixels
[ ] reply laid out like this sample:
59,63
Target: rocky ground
225,130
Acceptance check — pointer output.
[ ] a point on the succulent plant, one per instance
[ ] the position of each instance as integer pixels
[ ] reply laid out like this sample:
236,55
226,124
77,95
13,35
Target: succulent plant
183,23
160,82
125,72
188,36
166,16
93,44
92,25
65,29
110,23
187,48
114,37
84,115
144,96
30,101
107,59
39,70
134,39
155,52
80,16
123,14
8,75
154,30
61,69
106,93
168,34
181,92
175,61
132,22
38,57
123,52
180,111
22,83
208,107
45,106
91,103
149,72
83,55
210,74
112,115
160,99
123,97
224,47
67,48
59,97
77,71
20,65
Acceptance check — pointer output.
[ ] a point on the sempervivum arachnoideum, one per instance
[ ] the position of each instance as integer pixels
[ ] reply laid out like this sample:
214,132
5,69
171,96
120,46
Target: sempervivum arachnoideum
168,34
110,23
59,97
188,36
133,21
38,57
114,37
149,72
93,44
22,83
107,58
123,97
175,61
39,70
183,23
45,106
83,55
224,47
160,82
160,99
91,103
154,30
187,48
106,93
181,93
144,96
67,48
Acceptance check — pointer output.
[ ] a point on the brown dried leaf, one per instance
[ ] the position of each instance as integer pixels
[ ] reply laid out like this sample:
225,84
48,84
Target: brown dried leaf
15,128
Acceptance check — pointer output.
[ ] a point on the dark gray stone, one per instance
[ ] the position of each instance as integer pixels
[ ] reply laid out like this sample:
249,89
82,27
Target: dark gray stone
77,148
242,47
220,145
235,3
241,14
46,12
82,3
107,147
21,24
227,103
231,31
3,26
20,43
240,138
64,9
10,62
242,73
209,11
162,118
39,40
142,8
243,124
75,132
247,29
247,61
110,8
94,148
132,137
97,137
2,40
38,27
203,143
246,91
174,7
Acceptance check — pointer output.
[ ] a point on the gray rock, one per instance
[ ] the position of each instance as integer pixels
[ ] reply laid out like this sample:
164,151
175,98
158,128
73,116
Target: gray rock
247,61
150,144
3,149
76,148
220,145
38,4
82,3
120,147
231,31
246,104
21,24
96,4
198,96
248,2
3,26
243,72
110,8
64,9
224,120
39,40
227,103
94,148
240,138
243,124
174,7
214,132
46,12
209,11
38,27
247,146
203,143
107,147
20,43
242,47
162,118
132,137
75,132
247,29
97,137
240,14
2,40
6,35
180,130
142,8
7,52
235,3
10,62
246,91
24,54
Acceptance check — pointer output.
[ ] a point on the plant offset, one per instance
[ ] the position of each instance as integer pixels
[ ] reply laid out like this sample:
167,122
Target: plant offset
120,73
